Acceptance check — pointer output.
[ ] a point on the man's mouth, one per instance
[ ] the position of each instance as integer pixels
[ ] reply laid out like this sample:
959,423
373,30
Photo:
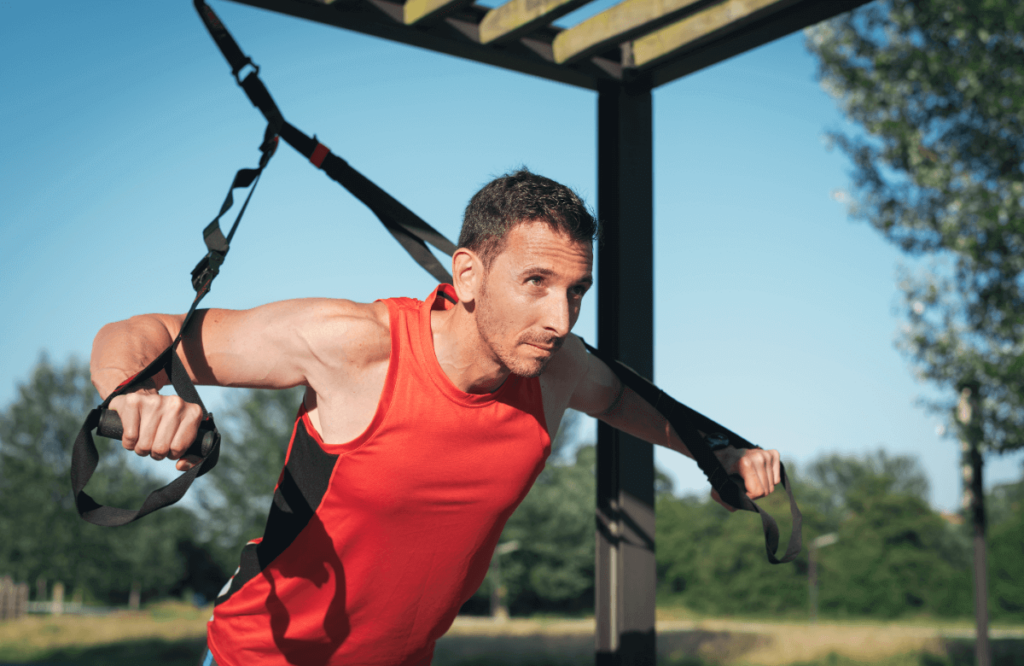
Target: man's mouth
550,348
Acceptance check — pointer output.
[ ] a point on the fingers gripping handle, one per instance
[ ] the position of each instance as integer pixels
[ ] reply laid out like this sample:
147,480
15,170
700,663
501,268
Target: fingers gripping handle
110,426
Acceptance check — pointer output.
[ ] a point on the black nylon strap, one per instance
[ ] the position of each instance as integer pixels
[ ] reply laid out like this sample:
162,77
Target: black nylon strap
406,227
225,42
693,428
84,456
216,242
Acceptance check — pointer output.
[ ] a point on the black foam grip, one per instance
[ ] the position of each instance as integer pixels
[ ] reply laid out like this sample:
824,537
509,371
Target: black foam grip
110,426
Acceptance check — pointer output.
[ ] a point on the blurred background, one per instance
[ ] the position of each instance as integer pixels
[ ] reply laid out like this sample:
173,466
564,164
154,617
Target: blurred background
837,268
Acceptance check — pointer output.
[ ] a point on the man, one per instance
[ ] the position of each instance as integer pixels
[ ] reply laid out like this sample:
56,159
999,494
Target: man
423,426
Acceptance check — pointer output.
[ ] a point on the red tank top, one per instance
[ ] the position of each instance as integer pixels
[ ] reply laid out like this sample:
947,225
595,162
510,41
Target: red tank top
372,546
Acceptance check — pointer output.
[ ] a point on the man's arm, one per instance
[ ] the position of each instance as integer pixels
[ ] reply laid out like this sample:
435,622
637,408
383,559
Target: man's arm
601,394
311,342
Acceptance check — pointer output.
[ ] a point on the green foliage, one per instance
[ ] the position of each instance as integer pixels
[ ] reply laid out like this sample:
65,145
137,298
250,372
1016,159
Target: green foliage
840,484
890,561
43,535
714,562
553,569
938,90
1006,553
236,497
895,555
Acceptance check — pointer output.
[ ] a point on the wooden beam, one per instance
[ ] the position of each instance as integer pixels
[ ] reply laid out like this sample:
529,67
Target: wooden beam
442,37
701,27
615,25
731,40
518,17
423,10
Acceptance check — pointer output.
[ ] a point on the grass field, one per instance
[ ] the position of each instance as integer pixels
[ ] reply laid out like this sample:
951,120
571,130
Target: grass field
173,635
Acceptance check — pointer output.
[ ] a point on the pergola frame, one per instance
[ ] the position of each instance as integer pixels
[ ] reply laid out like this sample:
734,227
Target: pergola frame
622,53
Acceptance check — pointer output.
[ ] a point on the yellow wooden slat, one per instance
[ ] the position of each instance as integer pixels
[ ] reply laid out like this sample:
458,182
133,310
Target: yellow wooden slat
614,25
517,17
417,10
656,46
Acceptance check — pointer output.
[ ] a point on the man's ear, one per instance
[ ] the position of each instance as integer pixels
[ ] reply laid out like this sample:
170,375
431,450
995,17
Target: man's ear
467,274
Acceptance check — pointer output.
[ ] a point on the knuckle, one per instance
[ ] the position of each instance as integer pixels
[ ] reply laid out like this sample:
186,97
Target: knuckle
173,404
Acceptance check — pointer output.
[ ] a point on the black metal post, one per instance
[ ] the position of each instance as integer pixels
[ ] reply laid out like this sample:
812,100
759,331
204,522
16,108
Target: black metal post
625,571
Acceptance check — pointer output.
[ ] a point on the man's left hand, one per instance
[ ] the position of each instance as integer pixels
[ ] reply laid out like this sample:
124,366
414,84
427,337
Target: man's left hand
759,469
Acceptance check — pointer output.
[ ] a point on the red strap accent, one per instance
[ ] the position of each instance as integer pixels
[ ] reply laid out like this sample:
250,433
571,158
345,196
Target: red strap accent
125,382
319,153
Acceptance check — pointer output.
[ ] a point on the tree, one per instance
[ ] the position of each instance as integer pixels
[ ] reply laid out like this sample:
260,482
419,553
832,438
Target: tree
713,561
839,484
256,426
553,567
43,534
938,90
1007,551
893,558
895,554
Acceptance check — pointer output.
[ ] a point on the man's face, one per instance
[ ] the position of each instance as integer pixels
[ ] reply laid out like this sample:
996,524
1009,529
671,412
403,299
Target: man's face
531,295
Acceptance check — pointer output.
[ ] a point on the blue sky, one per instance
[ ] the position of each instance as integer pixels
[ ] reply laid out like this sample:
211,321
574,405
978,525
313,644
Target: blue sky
775,314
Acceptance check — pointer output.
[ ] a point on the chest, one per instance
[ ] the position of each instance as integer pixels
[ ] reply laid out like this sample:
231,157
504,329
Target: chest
342,412
445,461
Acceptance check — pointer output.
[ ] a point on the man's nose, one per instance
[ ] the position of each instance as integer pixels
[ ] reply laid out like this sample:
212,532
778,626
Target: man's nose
558,316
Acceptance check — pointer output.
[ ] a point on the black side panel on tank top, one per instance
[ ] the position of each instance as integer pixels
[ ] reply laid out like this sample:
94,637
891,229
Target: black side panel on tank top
298,495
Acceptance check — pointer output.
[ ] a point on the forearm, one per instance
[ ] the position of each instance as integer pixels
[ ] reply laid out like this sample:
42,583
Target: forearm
632,414
123,348
600,393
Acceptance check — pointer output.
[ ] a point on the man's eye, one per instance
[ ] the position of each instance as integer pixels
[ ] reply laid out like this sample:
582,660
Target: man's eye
536,279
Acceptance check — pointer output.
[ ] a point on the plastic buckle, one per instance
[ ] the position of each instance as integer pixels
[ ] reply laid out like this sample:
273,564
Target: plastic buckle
250,63
207,269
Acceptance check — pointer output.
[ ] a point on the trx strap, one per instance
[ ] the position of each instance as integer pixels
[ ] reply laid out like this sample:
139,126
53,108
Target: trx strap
84,457
413,234
407,228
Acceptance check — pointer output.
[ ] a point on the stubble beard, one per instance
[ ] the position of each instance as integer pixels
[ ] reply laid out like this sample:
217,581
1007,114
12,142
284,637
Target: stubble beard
489,328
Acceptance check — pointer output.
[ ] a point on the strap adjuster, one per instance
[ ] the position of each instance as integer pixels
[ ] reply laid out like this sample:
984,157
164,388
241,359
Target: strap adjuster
207,269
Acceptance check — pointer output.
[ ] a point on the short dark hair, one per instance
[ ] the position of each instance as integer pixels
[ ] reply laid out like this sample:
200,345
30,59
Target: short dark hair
517,197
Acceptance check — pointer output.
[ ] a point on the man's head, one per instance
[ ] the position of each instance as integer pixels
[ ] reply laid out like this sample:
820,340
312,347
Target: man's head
519,197
523,265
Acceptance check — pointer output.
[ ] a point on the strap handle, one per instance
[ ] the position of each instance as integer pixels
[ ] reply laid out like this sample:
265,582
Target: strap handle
694,428
85,457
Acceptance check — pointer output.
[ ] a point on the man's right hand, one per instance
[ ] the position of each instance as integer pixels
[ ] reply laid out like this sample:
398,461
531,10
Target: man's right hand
158,426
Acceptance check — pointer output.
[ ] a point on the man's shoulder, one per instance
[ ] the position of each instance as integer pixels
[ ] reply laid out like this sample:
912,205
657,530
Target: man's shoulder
567,365
361,331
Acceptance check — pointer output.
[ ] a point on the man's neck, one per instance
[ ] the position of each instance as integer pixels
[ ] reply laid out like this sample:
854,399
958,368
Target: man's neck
462,353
